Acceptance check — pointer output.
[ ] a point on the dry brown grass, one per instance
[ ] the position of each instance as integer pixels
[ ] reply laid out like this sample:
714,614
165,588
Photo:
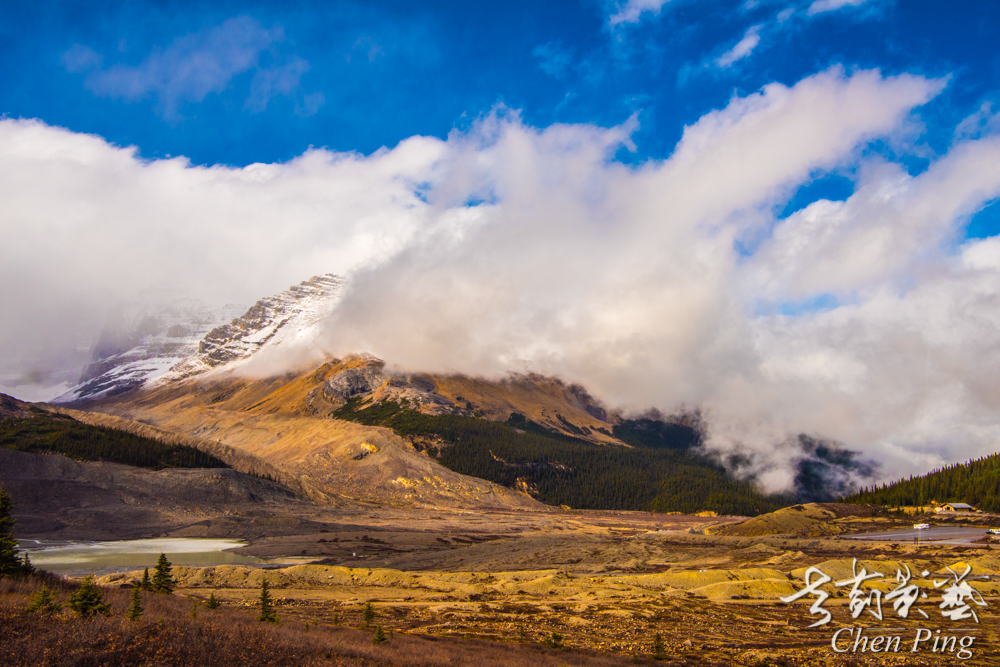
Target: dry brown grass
167,635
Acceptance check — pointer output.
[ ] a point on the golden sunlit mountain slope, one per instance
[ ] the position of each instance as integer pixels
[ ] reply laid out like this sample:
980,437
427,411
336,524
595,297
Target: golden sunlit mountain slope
287,422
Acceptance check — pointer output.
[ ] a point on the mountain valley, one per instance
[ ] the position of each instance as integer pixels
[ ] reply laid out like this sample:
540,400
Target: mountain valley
509,510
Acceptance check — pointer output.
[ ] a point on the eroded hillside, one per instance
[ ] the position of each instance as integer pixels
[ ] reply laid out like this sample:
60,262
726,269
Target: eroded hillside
287,422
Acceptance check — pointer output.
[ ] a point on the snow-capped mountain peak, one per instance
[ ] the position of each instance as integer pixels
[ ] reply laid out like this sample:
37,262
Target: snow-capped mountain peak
171,337
286,319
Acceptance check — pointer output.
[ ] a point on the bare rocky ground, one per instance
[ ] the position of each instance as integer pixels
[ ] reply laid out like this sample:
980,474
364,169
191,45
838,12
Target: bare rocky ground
601,580
442,555
608,581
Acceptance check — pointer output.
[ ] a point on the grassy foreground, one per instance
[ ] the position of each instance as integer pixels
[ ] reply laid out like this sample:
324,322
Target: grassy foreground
166,634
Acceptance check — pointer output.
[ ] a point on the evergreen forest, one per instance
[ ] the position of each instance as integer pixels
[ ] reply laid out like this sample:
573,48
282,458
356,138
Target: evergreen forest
663,471
64,435
976,482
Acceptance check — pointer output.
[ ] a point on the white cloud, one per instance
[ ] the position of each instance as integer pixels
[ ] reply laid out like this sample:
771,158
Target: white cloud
821,6
983,121
553,59
742,49
278,81
633,10
785,14
193,66
87,224
625,279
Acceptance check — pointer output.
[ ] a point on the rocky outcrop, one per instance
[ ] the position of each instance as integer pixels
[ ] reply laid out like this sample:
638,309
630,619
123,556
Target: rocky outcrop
372,381
353,382
283,318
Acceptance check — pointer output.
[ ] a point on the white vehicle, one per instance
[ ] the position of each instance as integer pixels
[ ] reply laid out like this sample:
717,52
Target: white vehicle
994,531
921,526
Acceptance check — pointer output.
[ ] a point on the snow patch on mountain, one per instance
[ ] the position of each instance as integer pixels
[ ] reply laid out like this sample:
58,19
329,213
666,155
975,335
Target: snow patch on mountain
285,321
144,339
166,337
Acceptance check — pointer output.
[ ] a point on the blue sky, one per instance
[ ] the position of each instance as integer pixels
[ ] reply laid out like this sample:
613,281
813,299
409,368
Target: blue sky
237,83
783,212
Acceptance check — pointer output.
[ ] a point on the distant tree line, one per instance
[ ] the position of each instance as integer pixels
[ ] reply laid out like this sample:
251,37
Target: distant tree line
83,442
976,482
664,471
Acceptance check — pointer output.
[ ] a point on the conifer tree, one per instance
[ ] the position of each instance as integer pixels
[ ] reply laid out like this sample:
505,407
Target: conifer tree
145,585
88,599
134,611
659,651
368,615
10,564
194,609
26,567
212,603
379,636
44,601
267,613
163,580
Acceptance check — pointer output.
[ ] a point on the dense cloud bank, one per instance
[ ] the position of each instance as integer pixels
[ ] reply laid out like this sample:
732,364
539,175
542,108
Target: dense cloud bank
869,321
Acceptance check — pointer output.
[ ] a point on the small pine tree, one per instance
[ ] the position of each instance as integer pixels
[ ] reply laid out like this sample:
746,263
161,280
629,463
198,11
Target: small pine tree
379,637
134,611
88,599
368,615
146,585
267,613
336,618
194,610
10,564
44,602
212,602
555,641
26,567
659,651
163,580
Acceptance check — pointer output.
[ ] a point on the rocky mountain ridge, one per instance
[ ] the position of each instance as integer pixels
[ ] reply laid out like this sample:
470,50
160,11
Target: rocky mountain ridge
142,340
168,337
288,318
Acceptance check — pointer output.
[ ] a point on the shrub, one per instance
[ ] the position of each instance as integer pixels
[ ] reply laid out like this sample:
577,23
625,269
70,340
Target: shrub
44,601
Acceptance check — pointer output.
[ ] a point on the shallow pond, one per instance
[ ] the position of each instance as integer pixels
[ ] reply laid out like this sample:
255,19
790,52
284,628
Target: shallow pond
73,558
